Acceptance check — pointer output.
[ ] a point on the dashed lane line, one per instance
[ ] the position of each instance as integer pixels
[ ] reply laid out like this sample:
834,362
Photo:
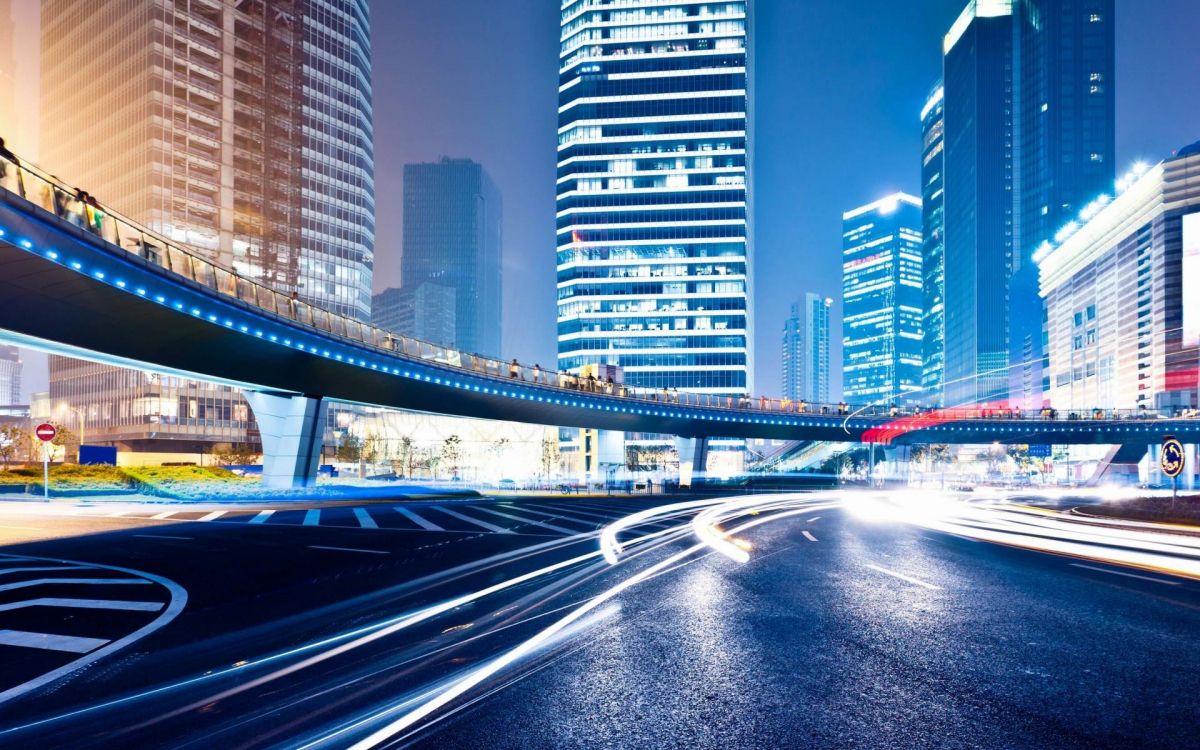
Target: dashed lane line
165,514
349,549
262,516
312,517
808,535
418,520
50,641
814,518
902,577
1122,573
535,522
212,516
476,521
364,519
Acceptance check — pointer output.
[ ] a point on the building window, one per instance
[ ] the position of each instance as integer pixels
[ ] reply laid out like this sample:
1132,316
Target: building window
1095,18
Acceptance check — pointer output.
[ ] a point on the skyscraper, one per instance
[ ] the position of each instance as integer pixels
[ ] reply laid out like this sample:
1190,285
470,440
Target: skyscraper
451,267
806,350
933,194
978,205
243,130
1065,71
654,238
10,375
882,301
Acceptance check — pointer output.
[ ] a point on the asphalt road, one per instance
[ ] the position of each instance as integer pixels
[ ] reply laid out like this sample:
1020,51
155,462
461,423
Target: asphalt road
838,633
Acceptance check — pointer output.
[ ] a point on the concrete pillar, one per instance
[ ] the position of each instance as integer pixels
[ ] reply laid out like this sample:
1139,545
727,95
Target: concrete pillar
1188,480
693,459
895,456
293,429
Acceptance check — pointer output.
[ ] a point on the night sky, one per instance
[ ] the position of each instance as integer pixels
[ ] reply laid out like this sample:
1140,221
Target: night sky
838,94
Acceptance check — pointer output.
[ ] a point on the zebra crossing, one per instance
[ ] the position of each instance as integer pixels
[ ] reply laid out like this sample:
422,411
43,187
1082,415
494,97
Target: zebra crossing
533,517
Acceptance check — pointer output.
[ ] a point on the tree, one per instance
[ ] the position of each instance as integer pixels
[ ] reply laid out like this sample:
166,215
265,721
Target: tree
452,454
349,447
235,454
549,455
12,441
404,457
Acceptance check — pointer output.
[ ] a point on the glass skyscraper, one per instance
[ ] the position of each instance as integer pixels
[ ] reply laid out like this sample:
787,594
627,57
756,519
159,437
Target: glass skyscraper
10,375
805,355
933,131
243,130
451,266
654,239
978,205
882,302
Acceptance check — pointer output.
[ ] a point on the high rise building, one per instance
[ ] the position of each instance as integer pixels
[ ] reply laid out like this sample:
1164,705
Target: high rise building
933,131
241,129
426,313
8,83
451,266
1120,286
654,237
806,350
10,375
1066,132
882,302
978,205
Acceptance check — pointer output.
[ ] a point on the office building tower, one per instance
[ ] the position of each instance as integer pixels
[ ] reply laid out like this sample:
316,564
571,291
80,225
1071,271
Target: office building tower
241,129
10,375
882,302
1120,286
8,83
451,268
425,313
978,205
654,238
1066,132
806,350
933,133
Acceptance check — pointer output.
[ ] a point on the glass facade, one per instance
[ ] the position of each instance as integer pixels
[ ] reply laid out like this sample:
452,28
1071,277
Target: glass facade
978,205
654,240
10,375
451,264
241,130
805,356
933,132
882,302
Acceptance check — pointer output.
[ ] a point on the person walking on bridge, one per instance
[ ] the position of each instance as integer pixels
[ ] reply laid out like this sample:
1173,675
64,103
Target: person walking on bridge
514,370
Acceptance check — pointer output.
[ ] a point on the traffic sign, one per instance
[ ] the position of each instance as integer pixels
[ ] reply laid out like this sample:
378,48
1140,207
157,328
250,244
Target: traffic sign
1170,458
45,432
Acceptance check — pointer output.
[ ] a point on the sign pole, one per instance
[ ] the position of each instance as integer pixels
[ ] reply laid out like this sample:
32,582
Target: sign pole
46,433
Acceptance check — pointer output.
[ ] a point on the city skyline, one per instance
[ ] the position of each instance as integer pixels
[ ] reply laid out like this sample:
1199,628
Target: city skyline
404,79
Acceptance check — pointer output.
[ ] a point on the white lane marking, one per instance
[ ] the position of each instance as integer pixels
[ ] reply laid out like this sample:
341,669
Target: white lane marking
349,549
418,520
24,528
119,513
477,522
165,514
262,516
45,567
164,536
814,518
74,581
902,577
50,601
364,519
212,516
543,524
1127,575
560,516
50,641
577,512
312,517
808,535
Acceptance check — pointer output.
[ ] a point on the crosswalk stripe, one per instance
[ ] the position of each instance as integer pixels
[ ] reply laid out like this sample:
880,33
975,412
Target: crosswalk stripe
476,521
79,581
543,524
418,520
596,516
39,568
312,517
85,604
50,641
561,516
262,516
166,514
213,516
364,519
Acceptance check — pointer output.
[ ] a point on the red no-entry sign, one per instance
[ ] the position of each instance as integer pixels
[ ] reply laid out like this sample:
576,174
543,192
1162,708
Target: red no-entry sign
45,432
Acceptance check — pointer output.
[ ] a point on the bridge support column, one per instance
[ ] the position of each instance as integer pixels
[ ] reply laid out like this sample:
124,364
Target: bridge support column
693,459
1120,465
895,456
293,430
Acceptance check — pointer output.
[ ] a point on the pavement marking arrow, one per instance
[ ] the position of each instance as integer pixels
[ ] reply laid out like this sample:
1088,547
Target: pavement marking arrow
50,641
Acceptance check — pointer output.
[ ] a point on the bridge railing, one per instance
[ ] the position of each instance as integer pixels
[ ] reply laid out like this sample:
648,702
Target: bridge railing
83,211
